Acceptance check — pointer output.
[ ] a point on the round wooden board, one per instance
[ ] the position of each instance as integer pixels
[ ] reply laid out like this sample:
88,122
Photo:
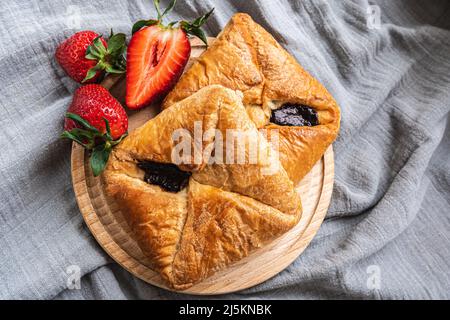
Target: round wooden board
112,232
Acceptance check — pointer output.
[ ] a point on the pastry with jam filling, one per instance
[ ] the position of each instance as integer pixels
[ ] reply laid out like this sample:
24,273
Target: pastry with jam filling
278,93
292,114
192,219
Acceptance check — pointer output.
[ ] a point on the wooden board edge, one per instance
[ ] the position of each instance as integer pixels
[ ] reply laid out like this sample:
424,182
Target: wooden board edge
137,269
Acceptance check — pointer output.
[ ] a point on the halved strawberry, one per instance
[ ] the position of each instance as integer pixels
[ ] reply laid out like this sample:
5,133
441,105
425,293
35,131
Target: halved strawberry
157,55
155,60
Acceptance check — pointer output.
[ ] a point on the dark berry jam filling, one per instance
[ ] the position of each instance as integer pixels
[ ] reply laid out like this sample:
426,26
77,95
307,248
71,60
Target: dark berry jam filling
292,114
166,175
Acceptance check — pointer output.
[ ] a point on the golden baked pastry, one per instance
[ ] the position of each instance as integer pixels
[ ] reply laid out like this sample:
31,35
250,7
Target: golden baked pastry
198,217
278,93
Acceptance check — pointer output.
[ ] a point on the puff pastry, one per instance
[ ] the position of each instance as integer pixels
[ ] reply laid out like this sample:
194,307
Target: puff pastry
246,57
225,211
243,81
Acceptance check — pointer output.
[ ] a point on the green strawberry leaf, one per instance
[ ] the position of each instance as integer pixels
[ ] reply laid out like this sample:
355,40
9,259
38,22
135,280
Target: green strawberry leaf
158,11
98,45
71,136
116,43
111,59
115,142
96,49
91,56
143,23
111,69
201,20
82,133
82,122
169,8
85,138
108,129
193,28
198,33
92,139
90,50
92,72
99,158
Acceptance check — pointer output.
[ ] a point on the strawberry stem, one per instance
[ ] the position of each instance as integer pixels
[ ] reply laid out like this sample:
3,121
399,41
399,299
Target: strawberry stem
156,4
191,28
166,11
169,8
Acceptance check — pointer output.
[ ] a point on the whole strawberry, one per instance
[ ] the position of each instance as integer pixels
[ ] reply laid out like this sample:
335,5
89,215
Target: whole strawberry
85,56
157,55
97,121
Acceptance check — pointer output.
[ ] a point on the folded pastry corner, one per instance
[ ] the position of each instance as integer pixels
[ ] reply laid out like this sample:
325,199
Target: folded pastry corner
278,93
193,219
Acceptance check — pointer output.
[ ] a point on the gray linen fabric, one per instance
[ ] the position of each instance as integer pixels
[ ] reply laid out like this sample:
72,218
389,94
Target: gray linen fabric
387,231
